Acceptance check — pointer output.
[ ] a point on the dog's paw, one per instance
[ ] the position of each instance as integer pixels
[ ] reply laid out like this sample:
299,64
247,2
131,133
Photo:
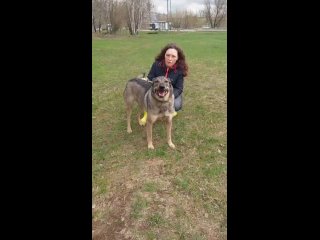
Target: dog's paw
150,146
129,130
172,145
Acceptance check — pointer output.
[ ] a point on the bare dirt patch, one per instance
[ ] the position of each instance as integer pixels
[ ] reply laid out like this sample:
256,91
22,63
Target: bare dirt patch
117,221
167,214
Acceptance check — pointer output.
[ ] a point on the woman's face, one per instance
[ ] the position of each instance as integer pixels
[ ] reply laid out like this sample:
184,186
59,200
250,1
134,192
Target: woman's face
171,57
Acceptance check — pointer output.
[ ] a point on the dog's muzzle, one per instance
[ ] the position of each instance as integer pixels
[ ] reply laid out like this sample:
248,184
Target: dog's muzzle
161,91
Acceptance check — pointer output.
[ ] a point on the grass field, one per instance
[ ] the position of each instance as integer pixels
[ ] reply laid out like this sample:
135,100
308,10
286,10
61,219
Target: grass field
161,193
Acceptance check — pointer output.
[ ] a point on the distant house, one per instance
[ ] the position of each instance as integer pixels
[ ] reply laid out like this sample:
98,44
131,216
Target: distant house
159,25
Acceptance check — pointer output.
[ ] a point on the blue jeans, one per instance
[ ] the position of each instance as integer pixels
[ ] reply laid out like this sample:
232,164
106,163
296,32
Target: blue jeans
178,103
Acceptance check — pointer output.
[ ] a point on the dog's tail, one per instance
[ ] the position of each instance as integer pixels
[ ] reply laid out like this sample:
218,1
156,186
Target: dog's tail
143,77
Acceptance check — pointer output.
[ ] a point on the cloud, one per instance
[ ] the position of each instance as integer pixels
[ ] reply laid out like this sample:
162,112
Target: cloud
195,6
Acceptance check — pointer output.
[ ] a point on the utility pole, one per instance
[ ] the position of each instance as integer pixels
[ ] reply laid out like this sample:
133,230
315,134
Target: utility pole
169,24
168,9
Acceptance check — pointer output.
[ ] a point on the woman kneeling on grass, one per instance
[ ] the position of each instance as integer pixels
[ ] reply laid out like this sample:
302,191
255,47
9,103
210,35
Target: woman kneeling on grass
171,63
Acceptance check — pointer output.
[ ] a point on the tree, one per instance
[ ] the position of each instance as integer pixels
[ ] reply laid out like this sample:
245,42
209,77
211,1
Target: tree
184,19
103,12
176,20
116,15
136,11
113,14
215,12
97,14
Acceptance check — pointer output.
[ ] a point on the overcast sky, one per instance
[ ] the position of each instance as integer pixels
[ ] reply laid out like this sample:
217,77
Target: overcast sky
160,6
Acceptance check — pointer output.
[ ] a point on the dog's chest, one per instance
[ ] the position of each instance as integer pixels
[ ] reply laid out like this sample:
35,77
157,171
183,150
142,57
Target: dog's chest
163,109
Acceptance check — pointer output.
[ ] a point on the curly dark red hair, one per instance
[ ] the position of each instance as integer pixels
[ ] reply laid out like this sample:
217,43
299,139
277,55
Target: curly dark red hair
181,63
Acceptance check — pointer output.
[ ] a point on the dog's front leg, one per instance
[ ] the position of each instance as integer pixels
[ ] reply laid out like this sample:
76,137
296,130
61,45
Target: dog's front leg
151,119
129,111
169,127
149,134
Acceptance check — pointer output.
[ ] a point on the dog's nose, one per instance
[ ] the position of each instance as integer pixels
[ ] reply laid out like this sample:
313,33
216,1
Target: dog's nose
161,87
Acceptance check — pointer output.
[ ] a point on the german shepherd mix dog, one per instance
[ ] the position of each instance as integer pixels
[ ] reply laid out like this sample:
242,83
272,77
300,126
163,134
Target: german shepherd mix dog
154,97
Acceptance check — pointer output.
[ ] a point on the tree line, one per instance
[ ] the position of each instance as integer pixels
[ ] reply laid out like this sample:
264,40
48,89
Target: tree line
113,15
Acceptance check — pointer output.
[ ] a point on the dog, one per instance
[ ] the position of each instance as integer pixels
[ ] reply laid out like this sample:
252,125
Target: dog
154,97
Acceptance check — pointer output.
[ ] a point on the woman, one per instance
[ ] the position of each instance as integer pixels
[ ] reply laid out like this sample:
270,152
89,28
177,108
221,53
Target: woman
171,63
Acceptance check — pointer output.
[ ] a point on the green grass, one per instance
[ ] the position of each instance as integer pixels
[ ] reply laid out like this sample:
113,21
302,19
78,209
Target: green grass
164,193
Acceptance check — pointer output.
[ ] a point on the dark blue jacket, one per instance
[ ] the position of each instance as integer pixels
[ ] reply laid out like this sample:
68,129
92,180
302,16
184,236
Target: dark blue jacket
176,76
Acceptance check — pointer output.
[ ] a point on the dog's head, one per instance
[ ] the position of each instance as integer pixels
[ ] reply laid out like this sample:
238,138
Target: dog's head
162,88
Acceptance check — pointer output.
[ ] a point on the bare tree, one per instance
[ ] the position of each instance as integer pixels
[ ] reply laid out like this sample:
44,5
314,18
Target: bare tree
176,20
97,14
190,20
184,19
94,16
215,12
208,12
149,8
131,8
107,14
102,11
116,15
136,11
221,12
113,14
